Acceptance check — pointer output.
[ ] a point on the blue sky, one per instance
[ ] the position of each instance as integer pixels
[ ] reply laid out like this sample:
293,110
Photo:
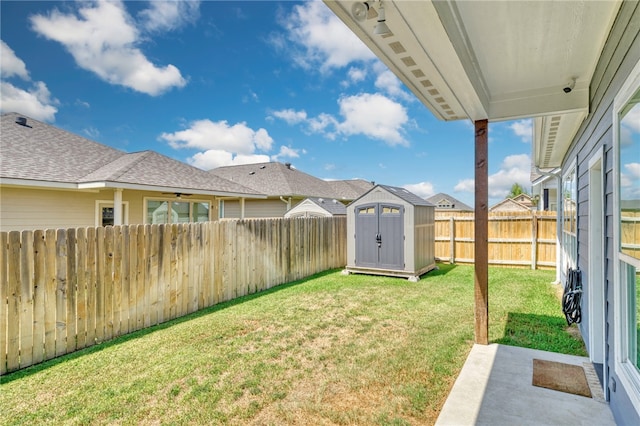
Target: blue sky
219,83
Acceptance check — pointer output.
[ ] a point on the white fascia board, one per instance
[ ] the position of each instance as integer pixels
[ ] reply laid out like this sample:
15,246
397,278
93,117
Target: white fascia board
37,183
138,187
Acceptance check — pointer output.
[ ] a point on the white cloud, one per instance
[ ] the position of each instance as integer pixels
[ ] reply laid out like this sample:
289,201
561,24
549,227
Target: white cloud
514,169
209,135
422,189
356,75
169,15
375,116
11,64
465,185
213,158
319,39
523,129
633,170
389,83
632,120
103,40
221,144
286,152
35,103
291,116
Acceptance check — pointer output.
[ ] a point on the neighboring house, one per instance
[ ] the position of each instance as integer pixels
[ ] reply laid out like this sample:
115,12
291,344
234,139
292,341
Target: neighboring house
544,188
317,207
482,61
349,190
510,205
447,203
51,178
284,186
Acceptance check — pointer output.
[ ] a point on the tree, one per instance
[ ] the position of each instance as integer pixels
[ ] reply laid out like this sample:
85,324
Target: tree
516,190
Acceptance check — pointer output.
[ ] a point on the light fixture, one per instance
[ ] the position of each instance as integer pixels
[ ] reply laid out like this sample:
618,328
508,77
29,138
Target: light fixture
381,27
360,11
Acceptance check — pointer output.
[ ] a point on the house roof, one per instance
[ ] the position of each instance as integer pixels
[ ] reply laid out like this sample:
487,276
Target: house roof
499,60
456,205
40,154
334,206
349,189
275,179
509,204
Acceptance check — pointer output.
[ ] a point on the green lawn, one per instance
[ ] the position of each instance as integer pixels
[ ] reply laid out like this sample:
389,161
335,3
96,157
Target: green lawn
331,349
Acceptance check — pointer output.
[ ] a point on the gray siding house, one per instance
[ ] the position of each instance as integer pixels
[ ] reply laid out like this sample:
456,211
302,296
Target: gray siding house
483,61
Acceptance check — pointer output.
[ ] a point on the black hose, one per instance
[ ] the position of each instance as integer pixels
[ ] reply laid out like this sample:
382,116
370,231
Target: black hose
572,296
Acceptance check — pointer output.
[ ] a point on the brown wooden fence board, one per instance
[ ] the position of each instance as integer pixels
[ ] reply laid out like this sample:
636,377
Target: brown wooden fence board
66,289
4,296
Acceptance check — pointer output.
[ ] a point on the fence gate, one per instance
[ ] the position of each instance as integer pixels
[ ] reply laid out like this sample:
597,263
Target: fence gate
379,236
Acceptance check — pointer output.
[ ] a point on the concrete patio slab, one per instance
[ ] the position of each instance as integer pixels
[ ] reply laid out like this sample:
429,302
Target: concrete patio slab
495,388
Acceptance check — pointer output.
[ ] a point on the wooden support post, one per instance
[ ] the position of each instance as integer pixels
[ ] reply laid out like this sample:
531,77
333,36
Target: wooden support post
481,245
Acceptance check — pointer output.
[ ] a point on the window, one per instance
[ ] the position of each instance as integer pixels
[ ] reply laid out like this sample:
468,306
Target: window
366,210
390,210
104,213
176,211
569,219
627,234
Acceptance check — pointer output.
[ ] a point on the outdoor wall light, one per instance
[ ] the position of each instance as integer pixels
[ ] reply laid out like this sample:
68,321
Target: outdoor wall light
381,27
365,10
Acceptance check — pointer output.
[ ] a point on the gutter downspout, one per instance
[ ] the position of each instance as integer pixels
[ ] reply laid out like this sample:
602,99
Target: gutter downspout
287,202
558,219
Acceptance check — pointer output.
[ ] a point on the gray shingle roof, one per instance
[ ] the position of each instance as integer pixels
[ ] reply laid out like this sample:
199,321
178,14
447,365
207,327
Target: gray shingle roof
275,179
42,152
457,204
349,189
334,206
406,195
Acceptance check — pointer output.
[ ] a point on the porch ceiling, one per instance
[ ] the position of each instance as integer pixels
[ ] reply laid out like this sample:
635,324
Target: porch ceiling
496,60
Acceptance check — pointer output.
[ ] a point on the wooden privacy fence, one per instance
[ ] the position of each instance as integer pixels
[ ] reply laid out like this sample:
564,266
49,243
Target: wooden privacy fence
67,289
515,239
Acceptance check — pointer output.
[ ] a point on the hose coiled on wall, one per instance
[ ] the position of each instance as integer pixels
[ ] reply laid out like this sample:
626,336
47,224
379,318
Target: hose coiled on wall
572,296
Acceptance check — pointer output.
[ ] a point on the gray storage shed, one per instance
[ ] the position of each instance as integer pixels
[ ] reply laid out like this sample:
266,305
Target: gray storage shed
390,231
317,207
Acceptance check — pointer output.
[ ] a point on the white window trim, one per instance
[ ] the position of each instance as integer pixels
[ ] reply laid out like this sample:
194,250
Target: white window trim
573,168
627,373
145,200
109,203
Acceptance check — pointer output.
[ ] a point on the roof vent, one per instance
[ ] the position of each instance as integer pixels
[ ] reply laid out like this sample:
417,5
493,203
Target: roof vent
252,173
262,167
21,121
288,165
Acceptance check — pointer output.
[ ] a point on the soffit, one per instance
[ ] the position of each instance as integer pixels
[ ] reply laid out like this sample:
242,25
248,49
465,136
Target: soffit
496,60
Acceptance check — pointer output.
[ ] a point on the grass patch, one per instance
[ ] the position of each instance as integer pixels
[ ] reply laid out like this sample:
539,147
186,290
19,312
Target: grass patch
331,349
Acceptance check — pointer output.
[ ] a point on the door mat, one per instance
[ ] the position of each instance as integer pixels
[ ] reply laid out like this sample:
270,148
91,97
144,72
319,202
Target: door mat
561,377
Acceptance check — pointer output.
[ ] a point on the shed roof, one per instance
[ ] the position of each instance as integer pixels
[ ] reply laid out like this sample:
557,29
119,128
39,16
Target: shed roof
41,153
403,194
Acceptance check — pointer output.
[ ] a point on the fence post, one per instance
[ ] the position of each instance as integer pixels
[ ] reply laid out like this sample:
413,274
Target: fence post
534,240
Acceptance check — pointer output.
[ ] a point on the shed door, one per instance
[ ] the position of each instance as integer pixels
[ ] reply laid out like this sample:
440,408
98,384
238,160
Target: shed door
379,236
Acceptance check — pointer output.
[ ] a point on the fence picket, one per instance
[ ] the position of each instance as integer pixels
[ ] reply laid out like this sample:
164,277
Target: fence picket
69,289
4,290
39,274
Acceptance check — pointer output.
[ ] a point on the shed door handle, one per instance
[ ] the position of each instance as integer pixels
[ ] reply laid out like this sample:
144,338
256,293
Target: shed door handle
379,240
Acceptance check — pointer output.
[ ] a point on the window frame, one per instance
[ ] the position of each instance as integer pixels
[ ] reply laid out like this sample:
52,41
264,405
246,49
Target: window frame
109,203
169,200
627,373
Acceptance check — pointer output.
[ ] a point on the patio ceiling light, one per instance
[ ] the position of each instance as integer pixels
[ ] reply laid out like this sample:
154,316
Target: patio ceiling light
381,27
